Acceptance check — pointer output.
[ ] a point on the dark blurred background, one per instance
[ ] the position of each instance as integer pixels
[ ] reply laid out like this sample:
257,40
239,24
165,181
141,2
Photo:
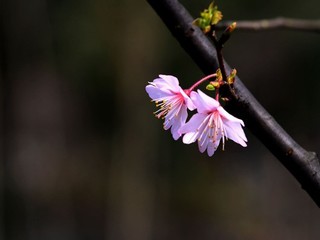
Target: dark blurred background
82,156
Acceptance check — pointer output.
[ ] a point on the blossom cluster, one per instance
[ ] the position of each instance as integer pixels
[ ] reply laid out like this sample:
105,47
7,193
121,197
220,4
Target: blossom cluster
209,126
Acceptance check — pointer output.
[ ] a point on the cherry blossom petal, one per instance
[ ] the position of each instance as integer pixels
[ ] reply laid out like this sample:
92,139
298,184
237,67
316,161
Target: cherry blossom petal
211,125
171,81
203,102
235,132
156,93
188,100
191,128
178,122
228,116
212,146
172,102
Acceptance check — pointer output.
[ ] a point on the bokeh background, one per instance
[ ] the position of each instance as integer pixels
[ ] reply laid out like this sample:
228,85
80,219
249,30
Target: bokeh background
83,157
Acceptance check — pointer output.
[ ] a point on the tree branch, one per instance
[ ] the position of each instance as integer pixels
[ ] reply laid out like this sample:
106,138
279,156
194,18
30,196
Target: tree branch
302,164
276,23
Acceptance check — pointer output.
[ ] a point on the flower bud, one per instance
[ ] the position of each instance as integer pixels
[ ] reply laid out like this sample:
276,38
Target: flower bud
232,76
227,33
210,87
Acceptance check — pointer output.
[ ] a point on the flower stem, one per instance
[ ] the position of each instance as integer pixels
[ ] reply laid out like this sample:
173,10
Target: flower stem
217,95
201,81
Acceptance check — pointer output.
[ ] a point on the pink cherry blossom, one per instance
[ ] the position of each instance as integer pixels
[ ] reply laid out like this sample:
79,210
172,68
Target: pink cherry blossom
172,101
211,124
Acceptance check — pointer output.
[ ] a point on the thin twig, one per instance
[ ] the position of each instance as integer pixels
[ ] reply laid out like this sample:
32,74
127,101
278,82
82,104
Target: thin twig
302,164
220,57
275,23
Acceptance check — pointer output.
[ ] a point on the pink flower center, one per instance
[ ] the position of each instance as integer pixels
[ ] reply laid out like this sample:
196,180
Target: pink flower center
169,106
